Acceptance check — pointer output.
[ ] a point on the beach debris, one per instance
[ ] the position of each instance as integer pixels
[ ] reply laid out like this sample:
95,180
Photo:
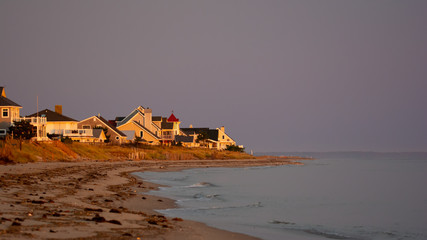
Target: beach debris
113,210
143,198
177,219
93,210
108,200
156,219
115,222
98,219
56,214
38,202
15,223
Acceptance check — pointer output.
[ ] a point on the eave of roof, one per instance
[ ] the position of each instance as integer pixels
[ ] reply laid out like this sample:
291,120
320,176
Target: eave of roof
52,116
6,102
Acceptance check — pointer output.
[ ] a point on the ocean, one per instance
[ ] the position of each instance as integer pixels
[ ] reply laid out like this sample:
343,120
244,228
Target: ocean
339,195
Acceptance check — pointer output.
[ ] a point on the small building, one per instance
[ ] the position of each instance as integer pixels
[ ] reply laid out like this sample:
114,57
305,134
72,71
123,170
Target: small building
114,135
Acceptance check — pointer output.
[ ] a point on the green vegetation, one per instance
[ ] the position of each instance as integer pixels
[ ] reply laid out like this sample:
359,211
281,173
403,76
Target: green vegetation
31,151
23,129
235,148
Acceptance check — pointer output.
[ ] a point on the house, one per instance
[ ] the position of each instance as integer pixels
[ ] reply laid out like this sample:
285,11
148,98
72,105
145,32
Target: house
98,122
56,123
217,138
139,124
9,111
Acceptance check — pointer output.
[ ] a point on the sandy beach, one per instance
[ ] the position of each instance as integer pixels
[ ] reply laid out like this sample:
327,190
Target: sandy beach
99,200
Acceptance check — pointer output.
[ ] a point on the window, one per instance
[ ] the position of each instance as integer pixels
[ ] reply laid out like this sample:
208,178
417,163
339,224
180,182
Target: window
117,138
86,127
141,133
223,137
5,112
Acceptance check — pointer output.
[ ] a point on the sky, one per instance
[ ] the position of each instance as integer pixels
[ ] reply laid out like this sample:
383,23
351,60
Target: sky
285,75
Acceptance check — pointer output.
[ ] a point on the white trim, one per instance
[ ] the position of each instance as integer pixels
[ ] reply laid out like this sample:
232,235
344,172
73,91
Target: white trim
7,111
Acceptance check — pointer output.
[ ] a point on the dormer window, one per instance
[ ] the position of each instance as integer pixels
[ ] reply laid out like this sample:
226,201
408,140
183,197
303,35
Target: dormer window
5,113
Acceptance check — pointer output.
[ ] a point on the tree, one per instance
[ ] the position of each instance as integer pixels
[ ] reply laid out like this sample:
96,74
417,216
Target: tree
235,148
23,130
203,136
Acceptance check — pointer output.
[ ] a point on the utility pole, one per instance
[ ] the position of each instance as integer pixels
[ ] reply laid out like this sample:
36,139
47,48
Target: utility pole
37,119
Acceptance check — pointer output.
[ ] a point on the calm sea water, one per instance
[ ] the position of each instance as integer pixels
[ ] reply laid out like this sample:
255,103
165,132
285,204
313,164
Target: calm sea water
337,196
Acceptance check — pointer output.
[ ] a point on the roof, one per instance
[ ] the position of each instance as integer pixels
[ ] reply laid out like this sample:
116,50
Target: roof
106,122
172,118
167,125
149,132
212,133
189,131
52,116
97,133
118,119
184,138
6,102
156,118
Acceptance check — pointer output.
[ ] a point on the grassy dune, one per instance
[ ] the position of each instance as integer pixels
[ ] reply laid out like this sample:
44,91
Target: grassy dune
13,152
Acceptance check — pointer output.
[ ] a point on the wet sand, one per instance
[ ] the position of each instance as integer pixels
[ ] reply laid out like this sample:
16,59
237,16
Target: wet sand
99,200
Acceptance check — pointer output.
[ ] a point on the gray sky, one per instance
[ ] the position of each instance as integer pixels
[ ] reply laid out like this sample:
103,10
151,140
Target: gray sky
319,75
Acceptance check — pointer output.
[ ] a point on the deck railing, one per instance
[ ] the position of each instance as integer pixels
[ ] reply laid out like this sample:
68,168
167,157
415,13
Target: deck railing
33,120
78,133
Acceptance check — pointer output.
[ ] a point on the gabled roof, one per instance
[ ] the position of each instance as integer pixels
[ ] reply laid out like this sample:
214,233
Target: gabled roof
6,102
130,116
107,124
52,116
98,133
144,128
105,121
172,118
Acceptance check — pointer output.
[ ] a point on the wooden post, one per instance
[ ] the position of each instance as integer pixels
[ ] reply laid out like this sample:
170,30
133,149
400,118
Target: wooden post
20,143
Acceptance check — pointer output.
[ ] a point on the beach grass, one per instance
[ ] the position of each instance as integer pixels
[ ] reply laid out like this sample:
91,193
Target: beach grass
15,151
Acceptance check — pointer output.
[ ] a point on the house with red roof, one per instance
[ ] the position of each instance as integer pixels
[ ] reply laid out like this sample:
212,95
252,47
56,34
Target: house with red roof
169,129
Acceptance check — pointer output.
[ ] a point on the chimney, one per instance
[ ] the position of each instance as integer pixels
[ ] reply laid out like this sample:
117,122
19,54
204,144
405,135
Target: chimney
222,129
148,119
191,125
58,109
